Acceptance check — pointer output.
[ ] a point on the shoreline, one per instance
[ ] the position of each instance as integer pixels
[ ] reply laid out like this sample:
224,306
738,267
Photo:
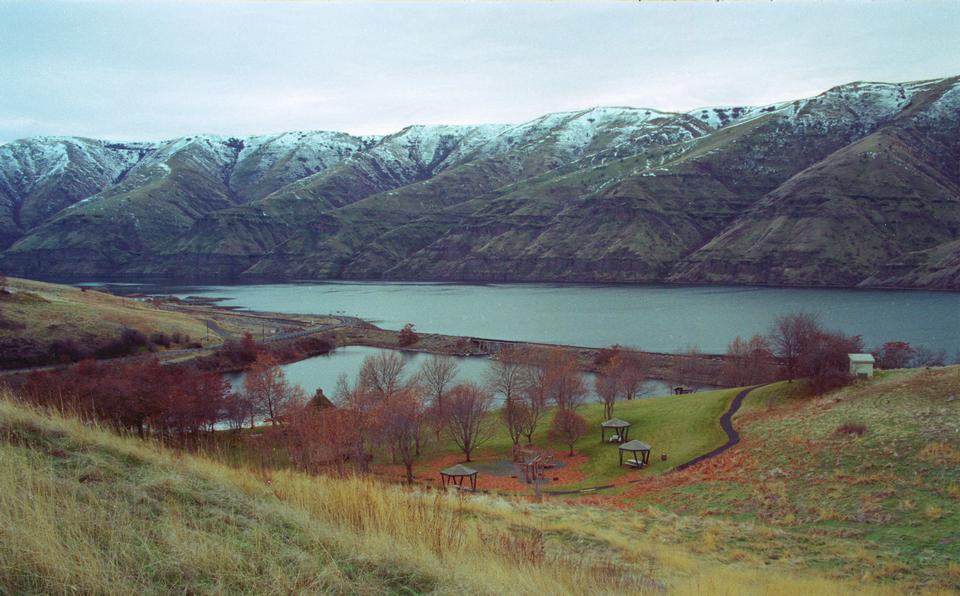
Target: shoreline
281,331
354,331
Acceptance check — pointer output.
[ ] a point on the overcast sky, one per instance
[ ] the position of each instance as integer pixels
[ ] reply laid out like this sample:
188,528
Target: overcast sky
153,70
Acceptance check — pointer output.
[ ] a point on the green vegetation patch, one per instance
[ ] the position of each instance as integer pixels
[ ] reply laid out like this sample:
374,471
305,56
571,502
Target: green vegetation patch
877,463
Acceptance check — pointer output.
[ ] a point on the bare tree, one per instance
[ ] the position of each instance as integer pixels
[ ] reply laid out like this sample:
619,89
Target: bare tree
399,422
824,362
467,422
925,356
607,385
361,403
382,373
633,371
747,361
895,354
565,383
507,376
516,417
437,374
321,438
507,373
237,409
536,389
788,336
568,427
268,390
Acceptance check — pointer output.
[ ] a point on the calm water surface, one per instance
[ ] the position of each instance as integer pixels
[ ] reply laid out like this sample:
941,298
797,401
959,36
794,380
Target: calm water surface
322,371
655,318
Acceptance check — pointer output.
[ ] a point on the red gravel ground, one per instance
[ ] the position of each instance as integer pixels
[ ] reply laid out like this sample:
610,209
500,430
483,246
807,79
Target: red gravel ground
427,472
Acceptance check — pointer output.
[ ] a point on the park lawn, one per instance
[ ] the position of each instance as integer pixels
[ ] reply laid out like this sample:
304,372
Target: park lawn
39,311
681,426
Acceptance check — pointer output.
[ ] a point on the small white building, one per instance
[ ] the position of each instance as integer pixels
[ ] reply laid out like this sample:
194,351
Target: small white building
861,365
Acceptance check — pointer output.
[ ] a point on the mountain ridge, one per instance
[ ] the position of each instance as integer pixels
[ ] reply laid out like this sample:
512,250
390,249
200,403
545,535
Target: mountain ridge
603,194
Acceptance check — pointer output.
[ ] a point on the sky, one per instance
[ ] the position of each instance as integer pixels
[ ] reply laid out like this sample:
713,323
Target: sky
150,70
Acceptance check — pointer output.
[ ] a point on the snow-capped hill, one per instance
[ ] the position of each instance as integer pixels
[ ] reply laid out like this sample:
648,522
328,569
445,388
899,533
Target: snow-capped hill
564,137
267,163
944,105
866,103
601,194
40,176
615,126
716,117
251,167
571,132
321,148
430,148
27,164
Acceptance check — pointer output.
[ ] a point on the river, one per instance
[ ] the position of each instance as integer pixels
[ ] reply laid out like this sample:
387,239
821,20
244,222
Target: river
653,318
650,317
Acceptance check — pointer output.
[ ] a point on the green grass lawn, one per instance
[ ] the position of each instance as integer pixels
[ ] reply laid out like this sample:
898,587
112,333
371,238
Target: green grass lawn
682,426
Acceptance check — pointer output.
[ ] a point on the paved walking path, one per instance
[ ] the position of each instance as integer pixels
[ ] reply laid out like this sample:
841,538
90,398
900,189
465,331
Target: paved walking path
726,423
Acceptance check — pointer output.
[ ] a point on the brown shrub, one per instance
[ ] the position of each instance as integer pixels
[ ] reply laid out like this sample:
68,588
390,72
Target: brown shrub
851,428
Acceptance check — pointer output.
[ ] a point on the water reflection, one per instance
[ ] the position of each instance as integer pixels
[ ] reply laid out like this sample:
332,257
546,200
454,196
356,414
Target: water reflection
322,371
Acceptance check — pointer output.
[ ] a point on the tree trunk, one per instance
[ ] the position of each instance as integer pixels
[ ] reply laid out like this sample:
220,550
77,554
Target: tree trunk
409,473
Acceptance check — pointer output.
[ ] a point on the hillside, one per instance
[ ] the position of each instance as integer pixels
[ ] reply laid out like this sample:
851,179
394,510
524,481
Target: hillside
82,510
862,482
857,186
34,314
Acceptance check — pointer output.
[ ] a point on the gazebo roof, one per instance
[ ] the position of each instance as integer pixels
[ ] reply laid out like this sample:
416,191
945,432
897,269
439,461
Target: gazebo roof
458,470
615,423
635,445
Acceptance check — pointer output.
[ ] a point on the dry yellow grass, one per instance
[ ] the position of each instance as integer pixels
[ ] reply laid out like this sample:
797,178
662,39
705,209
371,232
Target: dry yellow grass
84,510
53,311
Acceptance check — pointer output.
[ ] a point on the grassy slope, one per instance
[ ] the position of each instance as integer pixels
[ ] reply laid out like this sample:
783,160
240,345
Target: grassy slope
682,426
52,311
82,510
884,505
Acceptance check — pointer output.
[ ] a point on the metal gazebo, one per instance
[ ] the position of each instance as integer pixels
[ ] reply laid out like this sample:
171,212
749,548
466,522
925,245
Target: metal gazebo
455,476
